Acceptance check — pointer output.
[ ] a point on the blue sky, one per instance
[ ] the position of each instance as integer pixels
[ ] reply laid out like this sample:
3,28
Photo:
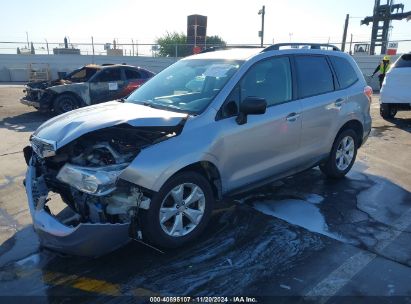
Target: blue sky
235,21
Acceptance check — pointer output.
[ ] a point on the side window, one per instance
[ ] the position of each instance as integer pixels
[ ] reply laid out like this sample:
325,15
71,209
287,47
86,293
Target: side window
404,61
345,73
132,74
107,75
314,76
269,79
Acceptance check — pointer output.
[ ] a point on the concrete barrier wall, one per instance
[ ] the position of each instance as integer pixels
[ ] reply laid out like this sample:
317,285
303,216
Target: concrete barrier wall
14,68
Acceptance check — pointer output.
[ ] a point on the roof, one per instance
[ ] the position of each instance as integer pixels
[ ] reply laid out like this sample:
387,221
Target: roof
233,54
109,65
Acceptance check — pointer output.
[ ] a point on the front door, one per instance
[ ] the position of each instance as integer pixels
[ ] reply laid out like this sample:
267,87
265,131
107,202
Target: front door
267,145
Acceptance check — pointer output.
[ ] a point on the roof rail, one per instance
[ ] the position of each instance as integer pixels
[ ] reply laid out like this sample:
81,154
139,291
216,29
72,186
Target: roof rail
317,46
219,48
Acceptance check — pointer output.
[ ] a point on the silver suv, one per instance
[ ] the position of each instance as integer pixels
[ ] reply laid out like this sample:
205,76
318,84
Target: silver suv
152,167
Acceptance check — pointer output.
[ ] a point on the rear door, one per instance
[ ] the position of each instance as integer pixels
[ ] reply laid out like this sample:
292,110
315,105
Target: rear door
320,104
107,85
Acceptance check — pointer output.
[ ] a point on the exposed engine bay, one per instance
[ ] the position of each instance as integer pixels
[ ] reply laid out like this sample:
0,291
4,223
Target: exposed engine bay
85,173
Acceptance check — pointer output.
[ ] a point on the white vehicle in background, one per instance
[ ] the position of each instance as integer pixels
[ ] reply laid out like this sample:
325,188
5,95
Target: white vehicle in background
396,88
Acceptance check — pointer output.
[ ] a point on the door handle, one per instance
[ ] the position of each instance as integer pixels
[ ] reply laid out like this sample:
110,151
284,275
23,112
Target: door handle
292,116
339,102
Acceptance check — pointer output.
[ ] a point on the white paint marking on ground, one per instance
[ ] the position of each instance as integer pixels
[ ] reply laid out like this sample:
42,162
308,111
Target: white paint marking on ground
337,279
340,277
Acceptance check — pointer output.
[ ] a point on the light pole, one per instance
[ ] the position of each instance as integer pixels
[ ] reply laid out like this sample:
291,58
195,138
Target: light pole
261,33
27,37
47,44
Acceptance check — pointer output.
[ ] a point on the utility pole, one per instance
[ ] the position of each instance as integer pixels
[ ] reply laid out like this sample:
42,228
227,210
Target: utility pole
344,39
132,44
27,37
47,44
261,33
351,45
92,46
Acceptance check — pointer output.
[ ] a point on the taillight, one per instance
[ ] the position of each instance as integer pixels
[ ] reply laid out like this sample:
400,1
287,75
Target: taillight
368,92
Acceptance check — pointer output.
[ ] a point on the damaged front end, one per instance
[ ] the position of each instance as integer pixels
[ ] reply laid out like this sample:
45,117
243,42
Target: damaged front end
102,210
38,96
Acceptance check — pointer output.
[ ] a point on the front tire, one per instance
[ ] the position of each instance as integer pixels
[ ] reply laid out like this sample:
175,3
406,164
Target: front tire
387,111
65,103
179,212
342,155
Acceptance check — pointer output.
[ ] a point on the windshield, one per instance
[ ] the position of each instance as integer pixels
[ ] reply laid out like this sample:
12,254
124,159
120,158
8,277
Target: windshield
187,86
81,75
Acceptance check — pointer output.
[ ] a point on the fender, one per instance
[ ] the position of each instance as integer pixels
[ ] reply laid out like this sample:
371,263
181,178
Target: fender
79,90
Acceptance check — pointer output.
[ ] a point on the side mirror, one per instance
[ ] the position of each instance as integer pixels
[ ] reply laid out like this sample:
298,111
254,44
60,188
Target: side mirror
251,106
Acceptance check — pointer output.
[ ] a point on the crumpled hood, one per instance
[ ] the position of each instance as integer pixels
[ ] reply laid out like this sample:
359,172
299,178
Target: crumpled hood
64,128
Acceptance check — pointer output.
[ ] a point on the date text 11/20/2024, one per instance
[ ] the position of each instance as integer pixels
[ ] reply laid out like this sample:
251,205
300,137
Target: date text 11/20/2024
203,300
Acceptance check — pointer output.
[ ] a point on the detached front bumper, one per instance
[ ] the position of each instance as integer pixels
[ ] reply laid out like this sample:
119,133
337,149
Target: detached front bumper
84,239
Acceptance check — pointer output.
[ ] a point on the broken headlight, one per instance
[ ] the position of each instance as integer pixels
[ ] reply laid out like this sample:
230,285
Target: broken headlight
42,147
96,181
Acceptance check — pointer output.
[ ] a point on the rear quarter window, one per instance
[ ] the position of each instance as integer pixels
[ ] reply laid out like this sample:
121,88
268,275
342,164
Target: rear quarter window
345,72
404,61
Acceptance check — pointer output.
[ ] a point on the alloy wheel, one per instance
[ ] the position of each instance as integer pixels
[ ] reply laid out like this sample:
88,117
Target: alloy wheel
182,209
345,153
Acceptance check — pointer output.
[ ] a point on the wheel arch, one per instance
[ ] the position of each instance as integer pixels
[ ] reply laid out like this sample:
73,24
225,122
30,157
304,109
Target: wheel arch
210,172
73,94
354,125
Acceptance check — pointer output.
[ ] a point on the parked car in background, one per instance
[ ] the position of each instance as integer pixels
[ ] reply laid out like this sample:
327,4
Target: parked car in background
207,127
85,86
396,89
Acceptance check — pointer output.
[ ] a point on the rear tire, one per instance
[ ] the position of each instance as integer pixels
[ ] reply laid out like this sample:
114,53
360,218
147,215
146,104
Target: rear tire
173,219
342,155
387,111
65,103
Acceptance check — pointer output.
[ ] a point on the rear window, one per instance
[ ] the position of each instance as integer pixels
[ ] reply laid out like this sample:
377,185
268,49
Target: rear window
404,61
345,73
313,75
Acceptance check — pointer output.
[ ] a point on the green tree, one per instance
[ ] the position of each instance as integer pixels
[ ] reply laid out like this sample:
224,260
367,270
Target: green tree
215,41
172,42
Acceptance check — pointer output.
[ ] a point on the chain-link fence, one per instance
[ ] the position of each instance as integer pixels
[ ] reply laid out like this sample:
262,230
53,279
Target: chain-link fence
155,50
110,49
